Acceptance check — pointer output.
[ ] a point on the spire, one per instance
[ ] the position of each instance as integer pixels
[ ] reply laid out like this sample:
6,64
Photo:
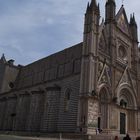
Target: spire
88,8
94,6
110,2
3,59
132,20
98,7
133,27
110,11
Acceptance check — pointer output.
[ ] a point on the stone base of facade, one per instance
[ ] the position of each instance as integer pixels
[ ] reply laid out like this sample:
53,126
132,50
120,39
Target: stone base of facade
110,135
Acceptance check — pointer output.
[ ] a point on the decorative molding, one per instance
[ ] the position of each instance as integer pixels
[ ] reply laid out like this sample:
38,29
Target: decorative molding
126,79
105,76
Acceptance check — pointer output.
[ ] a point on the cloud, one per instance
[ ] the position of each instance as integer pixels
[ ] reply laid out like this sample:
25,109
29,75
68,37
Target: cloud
41,27
32,29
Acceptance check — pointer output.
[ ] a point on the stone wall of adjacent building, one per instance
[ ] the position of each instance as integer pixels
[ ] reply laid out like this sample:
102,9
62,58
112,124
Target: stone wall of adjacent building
35,110
8,75
54,67
37,101
22,112
9,112
2,70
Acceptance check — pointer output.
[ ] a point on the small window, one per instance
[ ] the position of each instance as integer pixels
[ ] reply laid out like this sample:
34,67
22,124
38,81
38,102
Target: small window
67,99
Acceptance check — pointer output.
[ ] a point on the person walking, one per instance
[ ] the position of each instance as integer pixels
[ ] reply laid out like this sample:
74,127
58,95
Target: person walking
116,138
127,137
137,138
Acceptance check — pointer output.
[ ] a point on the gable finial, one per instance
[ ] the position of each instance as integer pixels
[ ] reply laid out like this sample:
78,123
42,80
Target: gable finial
131,19
122,2
93,4
134,16
87,7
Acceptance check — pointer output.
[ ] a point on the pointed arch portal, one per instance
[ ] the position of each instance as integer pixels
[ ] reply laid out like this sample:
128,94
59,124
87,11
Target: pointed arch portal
127,101
103,103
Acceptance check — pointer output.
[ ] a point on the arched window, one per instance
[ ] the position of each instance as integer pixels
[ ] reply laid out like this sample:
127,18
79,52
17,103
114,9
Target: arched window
67,99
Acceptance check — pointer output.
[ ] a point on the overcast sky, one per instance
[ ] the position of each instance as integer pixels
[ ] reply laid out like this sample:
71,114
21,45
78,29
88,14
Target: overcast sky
33,29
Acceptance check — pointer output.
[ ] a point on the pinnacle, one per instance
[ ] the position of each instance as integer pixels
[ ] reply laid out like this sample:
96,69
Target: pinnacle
3,59
132,19
93,4
111,1
88,7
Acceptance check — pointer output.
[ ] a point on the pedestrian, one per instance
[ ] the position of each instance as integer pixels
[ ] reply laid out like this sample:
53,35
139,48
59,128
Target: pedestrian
116,138
137,138
127,137
100,130
97,131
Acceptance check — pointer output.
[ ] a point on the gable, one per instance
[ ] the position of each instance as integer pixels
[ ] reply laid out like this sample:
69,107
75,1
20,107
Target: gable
104,76
122,21
126,79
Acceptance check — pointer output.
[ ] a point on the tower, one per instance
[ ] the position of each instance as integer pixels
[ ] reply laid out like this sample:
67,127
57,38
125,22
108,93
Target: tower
134,50
134,35
89,62
133,27
110,26
90,45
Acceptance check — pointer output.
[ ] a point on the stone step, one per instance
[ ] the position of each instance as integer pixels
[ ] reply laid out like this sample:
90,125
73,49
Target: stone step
106,137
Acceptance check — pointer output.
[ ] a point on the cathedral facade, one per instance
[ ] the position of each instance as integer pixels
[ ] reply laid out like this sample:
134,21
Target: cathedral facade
94,84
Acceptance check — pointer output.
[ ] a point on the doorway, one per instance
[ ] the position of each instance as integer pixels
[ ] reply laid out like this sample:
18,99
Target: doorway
99,122
122,123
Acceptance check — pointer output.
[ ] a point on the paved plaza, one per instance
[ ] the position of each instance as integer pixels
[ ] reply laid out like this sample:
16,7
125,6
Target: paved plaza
11,137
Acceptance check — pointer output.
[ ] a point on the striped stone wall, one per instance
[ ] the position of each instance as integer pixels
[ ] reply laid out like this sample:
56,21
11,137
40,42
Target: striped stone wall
42,108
